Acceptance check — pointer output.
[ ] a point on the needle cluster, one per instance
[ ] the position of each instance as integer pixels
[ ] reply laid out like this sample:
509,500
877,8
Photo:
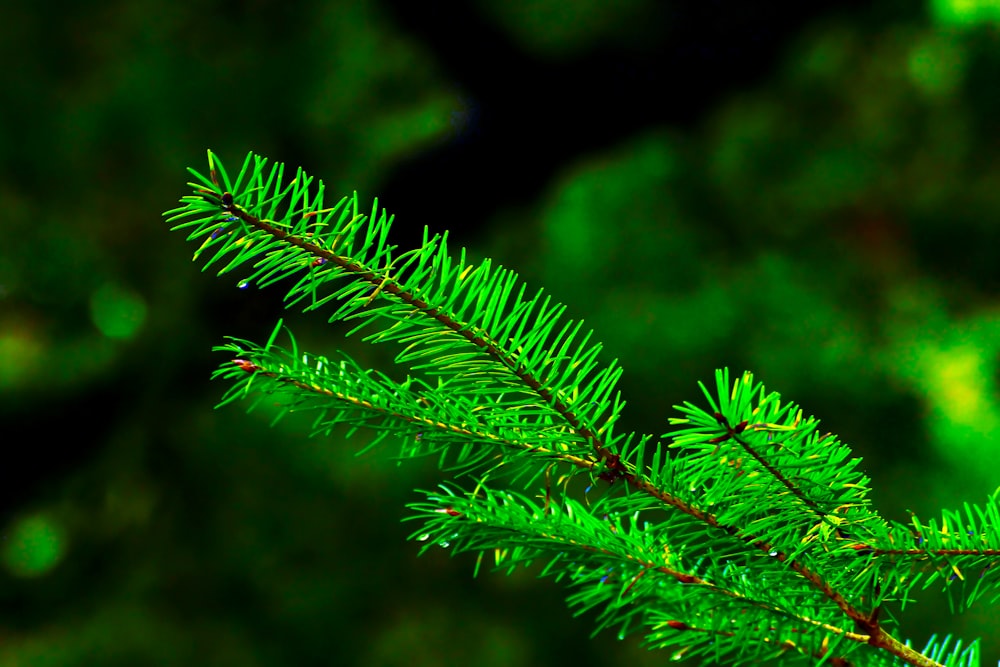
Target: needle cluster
742,534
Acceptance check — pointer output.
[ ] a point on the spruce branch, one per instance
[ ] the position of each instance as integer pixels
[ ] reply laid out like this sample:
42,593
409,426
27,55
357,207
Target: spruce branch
740,535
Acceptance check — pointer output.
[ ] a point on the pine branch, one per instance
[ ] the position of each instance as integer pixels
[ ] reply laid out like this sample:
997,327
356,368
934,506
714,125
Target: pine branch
744,535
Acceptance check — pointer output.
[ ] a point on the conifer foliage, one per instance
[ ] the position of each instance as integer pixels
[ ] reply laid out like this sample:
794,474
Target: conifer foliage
743,534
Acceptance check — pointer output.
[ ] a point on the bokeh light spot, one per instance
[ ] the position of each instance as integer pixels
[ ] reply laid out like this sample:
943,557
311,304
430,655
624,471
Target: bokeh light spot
117,312
33,546
965,12
963,420
20,356
957,377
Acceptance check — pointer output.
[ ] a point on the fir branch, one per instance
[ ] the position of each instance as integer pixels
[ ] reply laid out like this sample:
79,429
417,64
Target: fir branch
747,535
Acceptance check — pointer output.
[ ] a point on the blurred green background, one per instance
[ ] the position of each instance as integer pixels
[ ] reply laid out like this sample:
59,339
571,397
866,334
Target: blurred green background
811,193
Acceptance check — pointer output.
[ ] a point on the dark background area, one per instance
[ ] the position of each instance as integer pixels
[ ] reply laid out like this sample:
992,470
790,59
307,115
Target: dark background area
807,190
